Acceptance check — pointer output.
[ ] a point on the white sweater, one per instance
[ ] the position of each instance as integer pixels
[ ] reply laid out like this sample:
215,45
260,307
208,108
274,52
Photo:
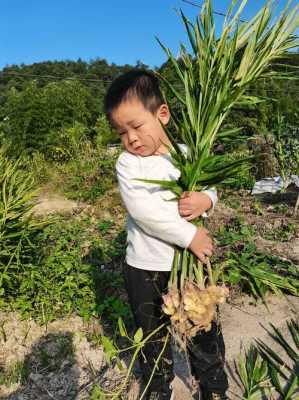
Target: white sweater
154,225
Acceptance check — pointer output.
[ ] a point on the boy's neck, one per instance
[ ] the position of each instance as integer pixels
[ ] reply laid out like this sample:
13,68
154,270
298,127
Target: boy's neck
163,149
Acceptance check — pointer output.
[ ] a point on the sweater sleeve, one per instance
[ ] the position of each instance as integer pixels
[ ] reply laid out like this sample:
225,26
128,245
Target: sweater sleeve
212,193
155,216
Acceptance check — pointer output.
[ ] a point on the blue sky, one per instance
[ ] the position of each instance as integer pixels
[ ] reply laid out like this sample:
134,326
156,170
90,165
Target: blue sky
117,30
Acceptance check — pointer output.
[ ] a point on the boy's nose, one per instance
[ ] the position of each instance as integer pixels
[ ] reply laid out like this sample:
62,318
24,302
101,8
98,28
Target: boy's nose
132,137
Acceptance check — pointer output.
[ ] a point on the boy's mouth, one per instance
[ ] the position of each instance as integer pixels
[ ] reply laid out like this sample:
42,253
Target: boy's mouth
139,148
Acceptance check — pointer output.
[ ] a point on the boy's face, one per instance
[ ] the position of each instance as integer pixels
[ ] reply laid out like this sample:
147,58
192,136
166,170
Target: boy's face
140,131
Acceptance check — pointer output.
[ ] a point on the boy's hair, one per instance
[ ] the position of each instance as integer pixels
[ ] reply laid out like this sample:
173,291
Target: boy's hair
138,83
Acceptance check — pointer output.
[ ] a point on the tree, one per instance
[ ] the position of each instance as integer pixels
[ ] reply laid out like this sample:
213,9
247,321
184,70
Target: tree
33,116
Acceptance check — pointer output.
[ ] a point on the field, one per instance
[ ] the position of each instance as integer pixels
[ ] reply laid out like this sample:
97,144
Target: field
63,358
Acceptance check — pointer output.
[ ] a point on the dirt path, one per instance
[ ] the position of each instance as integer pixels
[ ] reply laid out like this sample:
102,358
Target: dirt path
48,203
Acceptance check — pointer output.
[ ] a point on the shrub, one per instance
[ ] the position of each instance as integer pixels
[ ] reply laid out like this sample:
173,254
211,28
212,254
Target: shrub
103,132
37,119
17,228
89,175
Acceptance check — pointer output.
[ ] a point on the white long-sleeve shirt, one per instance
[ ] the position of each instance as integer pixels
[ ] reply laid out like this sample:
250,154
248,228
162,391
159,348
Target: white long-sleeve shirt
154,226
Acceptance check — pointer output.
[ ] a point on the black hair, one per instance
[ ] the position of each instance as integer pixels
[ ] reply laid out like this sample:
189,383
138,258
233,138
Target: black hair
138,83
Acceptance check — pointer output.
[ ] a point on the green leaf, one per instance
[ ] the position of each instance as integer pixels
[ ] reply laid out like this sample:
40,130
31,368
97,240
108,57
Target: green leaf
172,185
109,348
122,328
138,335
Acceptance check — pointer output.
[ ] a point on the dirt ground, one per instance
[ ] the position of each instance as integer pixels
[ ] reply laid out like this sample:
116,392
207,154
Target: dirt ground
49,203
64,364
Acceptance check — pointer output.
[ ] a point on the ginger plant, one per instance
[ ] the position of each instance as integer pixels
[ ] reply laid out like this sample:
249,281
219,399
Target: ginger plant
213,79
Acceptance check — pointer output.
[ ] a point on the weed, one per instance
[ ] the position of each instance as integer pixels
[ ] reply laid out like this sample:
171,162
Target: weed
17,372
234,203
254,272
258,208
283,233
112,308
117,247
281,208
89,175
237,231
105,225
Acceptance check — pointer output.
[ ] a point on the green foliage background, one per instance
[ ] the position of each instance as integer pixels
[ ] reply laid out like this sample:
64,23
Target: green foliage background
52,105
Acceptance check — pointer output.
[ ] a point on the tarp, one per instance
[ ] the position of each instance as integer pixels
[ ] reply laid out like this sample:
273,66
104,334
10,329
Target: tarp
275,184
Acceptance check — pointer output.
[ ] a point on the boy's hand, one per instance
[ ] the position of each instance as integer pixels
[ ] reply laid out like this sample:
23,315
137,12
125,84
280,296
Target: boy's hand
193,204
202,244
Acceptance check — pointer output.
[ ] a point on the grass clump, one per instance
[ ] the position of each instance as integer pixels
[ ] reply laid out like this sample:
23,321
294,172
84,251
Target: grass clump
17,372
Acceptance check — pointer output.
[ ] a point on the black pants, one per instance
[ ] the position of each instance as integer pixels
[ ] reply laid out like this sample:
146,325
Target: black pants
206,352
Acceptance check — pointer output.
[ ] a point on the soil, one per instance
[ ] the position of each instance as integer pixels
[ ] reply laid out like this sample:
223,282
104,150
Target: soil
72,375
61,359
63,362
50,203
269,221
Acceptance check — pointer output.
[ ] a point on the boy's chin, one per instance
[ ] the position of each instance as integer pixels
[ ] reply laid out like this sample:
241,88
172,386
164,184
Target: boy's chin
142,151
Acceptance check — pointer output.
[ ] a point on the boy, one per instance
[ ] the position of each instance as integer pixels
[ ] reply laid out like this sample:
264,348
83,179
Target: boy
135,107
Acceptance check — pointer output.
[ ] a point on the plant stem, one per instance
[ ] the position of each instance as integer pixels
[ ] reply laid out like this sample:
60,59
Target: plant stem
139,346
198,270
173,281
184,268
191,267
210,272
155,367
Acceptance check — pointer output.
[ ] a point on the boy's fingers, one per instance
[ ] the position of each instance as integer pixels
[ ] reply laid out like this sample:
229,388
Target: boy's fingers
185,195
209,241
185,210
208,252
184,213
208,245
184,202
190,217
204,230
202,257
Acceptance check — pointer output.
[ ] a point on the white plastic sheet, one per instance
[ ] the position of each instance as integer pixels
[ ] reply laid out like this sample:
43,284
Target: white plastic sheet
275,184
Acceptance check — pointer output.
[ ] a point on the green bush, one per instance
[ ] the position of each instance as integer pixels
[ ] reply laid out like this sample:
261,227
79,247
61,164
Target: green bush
17,227
104,134
38,118
57,281
284,141
62,274
42,267
90,174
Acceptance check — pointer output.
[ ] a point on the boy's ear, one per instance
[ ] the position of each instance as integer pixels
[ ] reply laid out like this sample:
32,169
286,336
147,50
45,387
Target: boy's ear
163,114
